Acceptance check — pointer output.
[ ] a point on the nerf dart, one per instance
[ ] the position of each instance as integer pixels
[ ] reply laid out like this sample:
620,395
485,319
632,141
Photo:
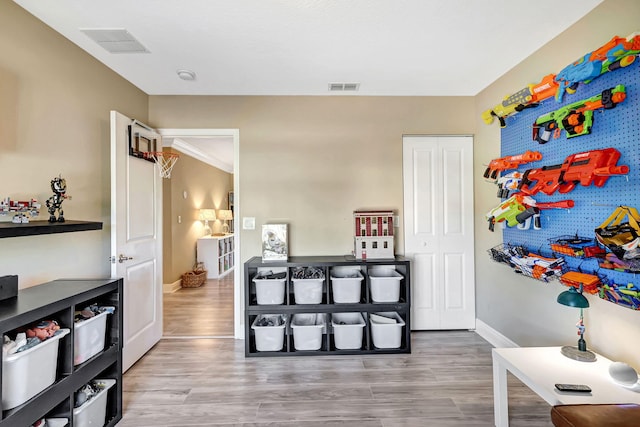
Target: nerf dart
527,97
587,168
576,118
510,162
619,52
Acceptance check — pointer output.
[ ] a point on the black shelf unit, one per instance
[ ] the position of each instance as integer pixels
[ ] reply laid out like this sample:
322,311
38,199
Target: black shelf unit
58,300
33,228
366,305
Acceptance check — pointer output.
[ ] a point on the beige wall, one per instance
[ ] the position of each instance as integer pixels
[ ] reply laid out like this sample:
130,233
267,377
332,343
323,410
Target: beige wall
522,309
311,161
205,187
54,103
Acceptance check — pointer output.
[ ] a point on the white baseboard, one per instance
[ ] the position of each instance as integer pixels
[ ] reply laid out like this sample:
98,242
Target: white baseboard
169,288
494,337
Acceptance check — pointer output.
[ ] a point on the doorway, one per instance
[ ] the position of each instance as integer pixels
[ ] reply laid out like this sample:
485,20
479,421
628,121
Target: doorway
219,300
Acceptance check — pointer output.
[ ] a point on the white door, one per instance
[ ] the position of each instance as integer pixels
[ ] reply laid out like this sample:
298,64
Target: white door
438,230
136,236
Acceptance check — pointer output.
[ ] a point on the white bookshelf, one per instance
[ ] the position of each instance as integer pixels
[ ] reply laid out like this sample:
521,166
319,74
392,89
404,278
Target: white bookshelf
216,252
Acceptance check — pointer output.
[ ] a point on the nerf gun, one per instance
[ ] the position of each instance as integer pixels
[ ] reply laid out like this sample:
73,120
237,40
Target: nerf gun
587,168
507,183
527,97
619,52
510,162
576,118
519,208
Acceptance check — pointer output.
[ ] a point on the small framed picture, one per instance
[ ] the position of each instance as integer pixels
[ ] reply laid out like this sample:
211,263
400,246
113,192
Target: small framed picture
274,242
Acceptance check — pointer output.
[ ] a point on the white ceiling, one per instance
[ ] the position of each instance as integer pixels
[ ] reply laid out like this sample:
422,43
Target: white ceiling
298,47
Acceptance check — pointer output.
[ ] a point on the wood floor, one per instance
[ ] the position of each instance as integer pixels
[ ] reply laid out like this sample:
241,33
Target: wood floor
206,311
446,381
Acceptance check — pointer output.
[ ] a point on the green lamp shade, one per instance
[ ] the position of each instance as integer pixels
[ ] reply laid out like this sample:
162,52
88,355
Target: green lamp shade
573,298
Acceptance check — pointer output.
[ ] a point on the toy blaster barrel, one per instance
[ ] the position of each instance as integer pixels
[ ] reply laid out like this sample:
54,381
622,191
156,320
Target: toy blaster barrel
527,97
510,162
617,53
576,118
533,211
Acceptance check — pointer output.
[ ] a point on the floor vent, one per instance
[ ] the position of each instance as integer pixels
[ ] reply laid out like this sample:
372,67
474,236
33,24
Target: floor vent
115,40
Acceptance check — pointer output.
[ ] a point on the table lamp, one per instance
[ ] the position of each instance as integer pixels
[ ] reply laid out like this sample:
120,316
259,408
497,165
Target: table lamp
207,215
574,298
225,215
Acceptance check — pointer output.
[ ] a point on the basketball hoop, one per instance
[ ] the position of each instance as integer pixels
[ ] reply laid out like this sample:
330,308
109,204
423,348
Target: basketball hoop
164,161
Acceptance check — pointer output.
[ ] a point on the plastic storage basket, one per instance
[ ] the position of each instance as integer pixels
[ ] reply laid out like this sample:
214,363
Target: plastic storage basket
93,412
269,338
27,373
89,338
347,330
269,291
345,287
385,284
307,291
307,330
386,335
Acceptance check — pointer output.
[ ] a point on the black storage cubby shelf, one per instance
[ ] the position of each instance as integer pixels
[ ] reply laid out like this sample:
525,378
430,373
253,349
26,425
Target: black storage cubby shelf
58,300
366,306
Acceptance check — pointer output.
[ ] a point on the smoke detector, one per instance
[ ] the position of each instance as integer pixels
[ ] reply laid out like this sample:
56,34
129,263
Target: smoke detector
186,75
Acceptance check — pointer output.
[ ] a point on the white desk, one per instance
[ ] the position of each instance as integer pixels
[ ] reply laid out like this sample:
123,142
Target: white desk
540,368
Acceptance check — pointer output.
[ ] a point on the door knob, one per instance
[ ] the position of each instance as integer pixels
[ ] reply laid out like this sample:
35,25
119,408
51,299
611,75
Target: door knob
123,258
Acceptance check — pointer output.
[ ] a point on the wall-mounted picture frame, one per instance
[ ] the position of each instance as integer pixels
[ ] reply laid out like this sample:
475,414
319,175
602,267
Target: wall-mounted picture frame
275,246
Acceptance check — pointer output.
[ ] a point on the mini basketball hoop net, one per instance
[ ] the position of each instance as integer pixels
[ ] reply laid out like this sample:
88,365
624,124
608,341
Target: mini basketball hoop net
164,161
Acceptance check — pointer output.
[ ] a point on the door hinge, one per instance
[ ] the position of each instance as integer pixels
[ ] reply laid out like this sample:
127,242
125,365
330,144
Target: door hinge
112,259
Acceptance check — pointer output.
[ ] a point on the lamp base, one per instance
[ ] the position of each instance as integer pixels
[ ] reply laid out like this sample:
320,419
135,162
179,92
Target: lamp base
580,355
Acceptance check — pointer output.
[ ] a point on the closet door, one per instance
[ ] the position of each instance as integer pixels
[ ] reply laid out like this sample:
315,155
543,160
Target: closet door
438,230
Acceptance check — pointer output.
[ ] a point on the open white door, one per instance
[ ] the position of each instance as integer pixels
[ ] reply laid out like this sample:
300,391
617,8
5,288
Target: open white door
136,236
438,225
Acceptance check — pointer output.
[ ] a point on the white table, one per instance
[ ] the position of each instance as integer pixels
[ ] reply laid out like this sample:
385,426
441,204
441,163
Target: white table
540,368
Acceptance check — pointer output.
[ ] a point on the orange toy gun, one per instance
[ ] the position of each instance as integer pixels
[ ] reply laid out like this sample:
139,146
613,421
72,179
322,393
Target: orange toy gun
510,162
527,97
587,168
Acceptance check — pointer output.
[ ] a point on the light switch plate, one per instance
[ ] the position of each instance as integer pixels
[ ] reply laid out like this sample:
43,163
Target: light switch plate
248,223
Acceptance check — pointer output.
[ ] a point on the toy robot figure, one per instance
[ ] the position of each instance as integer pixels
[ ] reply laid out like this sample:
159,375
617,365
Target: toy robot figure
59,188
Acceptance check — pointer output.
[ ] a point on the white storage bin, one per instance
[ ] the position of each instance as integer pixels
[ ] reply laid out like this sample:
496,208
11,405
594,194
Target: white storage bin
307,330
385,284
386,335
347,330
57,422
269,338
27,373
345,288
89,337
93,412
307,291
269,291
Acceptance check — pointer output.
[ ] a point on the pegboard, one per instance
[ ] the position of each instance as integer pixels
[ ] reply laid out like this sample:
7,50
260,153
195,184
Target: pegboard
618,128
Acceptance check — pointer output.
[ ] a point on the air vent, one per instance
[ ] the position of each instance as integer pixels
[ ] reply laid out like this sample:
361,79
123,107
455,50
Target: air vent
115,40
344,87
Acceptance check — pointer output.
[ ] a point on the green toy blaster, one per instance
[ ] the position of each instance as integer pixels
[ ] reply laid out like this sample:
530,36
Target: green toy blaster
576,118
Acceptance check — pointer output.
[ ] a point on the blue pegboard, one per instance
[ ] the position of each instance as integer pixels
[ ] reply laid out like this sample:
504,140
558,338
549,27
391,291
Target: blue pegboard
618,128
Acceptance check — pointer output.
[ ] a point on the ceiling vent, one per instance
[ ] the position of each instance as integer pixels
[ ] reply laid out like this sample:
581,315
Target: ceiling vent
344,87
115,40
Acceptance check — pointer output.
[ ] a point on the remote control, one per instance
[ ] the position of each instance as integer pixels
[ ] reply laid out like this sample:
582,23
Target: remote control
580,388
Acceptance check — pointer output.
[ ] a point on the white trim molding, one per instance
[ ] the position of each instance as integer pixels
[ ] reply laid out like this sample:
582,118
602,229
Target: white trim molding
494,337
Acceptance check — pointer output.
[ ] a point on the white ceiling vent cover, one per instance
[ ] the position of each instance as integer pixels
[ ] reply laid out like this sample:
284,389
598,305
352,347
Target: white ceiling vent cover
115,40
344,87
